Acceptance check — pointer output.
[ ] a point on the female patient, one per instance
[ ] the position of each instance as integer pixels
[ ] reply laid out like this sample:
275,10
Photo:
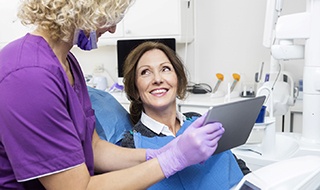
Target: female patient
159,78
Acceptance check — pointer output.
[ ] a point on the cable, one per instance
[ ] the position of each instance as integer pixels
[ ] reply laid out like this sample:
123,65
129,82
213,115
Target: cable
199,88
274,83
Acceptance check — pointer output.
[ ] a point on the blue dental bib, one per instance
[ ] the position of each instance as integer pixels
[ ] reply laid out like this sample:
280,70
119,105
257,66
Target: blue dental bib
220,171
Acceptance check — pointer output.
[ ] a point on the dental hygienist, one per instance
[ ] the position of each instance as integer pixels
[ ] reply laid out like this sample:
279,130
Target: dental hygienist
47,135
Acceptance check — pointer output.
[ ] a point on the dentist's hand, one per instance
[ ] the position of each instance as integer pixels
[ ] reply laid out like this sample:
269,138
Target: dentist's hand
194,146
153,153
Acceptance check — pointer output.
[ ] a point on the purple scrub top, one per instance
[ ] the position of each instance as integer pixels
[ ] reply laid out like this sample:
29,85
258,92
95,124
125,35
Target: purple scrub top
46,125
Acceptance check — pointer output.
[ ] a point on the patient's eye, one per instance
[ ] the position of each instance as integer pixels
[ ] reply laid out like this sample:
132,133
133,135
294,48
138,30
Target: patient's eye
166,68
145,72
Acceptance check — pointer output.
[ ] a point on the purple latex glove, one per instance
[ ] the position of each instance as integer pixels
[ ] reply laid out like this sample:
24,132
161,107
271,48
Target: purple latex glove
194,146
152,153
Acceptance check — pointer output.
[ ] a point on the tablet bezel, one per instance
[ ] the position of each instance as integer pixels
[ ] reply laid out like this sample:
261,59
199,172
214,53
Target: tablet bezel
231,115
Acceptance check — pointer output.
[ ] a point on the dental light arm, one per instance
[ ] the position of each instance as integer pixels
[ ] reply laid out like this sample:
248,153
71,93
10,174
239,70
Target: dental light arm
299,26
281,91
274,8
280,30
290,27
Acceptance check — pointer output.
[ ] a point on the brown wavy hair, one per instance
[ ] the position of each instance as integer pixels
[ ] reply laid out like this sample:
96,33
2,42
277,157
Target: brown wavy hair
129,73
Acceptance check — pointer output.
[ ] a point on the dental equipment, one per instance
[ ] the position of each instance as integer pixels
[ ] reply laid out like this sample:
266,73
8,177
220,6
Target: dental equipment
236,78
220,79
303,26
258,75
281,31
227,97
294,174
116,88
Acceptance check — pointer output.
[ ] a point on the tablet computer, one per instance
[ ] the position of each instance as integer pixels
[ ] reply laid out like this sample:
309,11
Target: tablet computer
237,118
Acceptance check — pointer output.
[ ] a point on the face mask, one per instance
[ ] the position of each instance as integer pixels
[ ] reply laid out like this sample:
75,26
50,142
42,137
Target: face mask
83,41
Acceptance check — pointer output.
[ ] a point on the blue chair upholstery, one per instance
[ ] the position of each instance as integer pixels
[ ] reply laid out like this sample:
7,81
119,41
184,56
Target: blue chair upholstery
112,120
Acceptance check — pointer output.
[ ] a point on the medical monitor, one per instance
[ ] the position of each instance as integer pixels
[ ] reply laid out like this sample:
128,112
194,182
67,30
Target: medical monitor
124,47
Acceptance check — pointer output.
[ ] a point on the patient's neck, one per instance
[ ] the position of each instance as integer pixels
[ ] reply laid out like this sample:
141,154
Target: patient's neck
168,117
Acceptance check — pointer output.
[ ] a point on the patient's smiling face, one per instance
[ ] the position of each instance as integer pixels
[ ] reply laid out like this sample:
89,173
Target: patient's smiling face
156,81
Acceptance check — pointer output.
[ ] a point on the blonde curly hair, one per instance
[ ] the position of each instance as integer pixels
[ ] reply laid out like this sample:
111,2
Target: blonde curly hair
62,17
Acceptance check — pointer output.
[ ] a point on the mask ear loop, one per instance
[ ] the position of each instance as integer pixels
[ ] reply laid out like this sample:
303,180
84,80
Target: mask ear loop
76,36
93,39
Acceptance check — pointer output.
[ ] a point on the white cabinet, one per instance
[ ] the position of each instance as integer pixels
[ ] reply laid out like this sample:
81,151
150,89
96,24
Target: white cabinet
201,103
11,27
144,19
155,19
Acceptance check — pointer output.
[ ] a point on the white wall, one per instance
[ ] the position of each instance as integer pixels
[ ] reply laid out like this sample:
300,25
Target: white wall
228,39
105,56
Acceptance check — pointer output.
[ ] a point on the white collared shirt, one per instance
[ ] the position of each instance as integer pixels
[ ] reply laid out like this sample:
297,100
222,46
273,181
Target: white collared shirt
158,127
